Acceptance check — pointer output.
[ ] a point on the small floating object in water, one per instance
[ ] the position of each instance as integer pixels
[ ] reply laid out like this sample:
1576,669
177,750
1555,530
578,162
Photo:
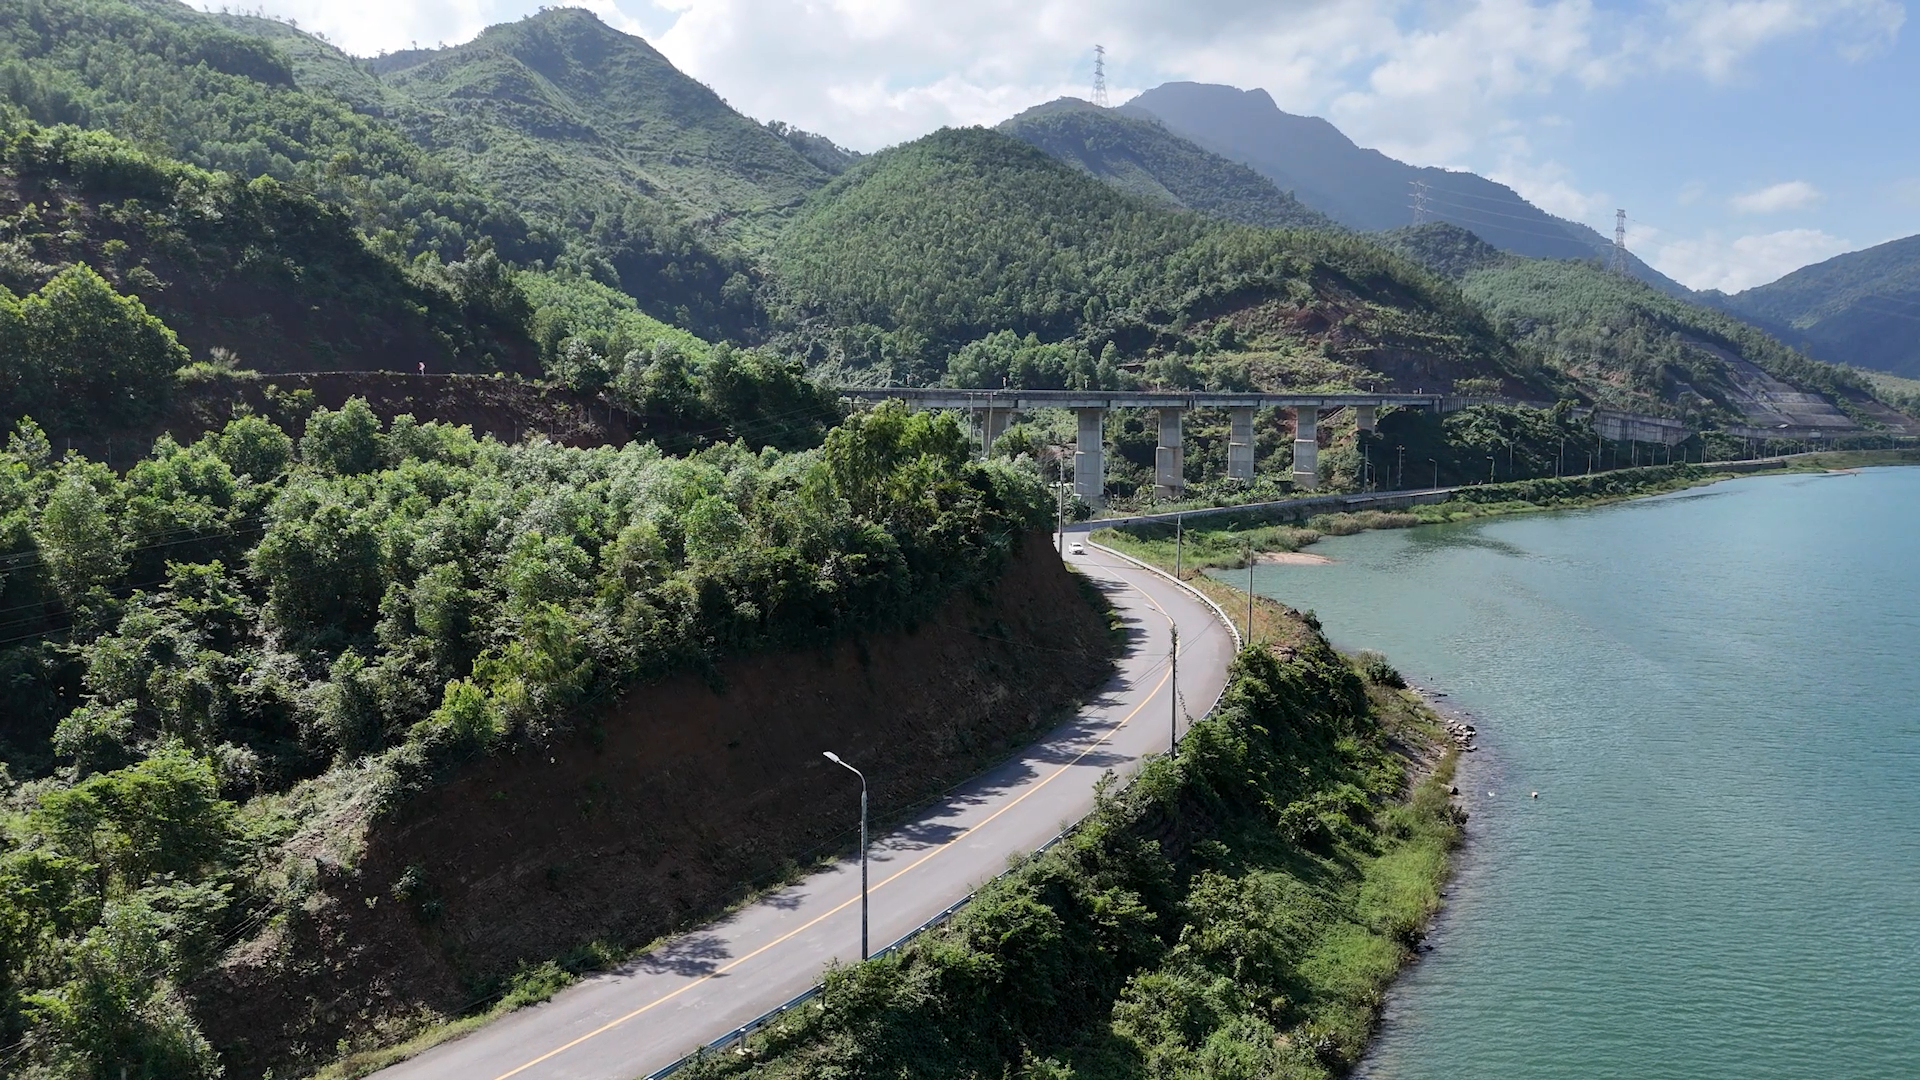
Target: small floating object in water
1534,795
1490,794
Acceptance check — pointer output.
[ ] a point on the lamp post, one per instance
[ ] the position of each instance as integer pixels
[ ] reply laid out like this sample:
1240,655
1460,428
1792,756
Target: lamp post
1490,467
1400,475
835,758
1436,472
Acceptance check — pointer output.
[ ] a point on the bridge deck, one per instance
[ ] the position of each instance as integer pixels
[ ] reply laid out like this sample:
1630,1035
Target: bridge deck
950,398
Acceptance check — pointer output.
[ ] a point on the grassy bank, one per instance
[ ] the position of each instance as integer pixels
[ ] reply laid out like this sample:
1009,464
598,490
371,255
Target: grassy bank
1224,541
1237,911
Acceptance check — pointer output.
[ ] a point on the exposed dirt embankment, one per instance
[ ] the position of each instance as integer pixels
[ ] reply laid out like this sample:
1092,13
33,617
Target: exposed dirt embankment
680,798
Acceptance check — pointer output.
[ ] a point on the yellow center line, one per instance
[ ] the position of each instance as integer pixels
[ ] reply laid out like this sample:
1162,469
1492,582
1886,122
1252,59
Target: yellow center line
1096,744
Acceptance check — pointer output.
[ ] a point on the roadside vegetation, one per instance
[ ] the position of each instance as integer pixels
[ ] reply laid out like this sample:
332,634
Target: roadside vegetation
203,657
1236,911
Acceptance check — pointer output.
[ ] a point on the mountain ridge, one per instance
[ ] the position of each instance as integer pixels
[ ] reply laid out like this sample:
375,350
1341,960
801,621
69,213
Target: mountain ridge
1860,308
1363,188
1139,155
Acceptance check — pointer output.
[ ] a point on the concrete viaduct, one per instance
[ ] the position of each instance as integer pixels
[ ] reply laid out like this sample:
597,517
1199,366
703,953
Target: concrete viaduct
994,409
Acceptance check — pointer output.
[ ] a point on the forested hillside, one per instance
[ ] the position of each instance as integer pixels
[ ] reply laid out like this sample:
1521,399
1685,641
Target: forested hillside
1027,265
1140,156
1861,308
186,645
421,167
228,653
1636,348
254,271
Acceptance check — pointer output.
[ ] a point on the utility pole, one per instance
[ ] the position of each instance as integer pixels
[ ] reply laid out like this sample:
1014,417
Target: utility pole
1173,698
1100,76
1249,590
1619,257
1060,516
1179,543
1400,475
1420,208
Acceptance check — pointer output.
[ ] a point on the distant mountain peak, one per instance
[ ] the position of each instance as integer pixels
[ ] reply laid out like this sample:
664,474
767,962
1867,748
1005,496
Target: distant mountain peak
1138,154
1362,188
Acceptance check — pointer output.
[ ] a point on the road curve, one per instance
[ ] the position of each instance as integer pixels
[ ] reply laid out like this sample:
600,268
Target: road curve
655,1009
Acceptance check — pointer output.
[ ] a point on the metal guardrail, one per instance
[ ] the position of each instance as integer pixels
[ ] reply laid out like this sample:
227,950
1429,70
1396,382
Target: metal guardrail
768,1017
1218,613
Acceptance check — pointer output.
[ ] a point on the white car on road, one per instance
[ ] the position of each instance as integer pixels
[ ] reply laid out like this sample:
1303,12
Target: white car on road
1076,548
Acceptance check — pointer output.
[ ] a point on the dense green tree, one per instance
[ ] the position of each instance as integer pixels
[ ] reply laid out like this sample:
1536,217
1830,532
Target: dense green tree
75,347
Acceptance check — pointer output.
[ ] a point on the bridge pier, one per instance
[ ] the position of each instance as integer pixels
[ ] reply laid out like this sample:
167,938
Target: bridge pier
1090,456
1170,457
1306,448
1240,444
993,424
1363,418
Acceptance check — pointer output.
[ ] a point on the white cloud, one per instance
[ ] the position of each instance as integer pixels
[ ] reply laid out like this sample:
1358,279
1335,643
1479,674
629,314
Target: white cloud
1547,185
1431,83
1710,262
1716,36
365,27
1791,195
1459,83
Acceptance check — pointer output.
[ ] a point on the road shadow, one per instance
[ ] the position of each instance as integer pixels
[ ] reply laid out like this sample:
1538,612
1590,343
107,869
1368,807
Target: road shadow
693,955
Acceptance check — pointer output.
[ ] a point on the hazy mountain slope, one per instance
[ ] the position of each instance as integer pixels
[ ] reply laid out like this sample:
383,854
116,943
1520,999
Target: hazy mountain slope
1027,269
1632,347
1361,188
1861,308
1139,155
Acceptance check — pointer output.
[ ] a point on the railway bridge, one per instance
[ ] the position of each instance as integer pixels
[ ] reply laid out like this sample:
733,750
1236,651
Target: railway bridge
994,410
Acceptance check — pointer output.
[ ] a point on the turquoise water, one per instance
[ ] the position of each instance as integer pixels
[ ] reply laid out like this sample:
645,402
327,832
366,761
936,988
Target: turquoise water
1717,696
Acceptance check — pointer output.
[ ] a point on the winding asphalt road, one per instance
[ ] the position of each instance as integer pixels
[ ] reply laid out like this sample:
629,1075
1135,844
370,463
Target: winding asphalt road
646,1015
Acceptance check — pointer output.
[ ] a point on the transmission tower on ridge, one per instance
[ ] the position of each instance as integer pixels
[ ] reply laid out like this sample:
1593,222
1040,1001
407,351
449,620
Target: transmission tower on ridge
1619,262
1420,208
1100,75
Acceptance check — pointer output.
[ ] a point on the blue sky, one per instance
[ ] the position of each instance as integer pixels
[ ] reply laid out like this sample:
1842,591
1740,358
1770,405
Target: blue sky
1744,138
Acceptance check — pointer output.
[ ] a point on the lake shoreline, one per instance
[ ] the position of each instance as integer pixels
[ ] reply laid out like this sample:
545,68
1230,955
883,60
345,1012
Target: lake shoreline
1660,742
1279,537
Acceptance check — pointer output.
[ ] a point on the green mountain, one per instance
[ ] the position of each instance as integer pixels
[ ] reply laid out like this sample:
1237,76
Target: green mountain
1024,267
1141,156
1633,347
558,108
1861,308
1361,188
179,83
554,139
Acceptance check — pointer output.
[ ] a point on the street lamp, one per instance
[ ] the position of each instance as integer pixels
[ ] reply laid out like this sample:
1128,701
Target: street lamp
1400,475
1490,467
1436,473
835,758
